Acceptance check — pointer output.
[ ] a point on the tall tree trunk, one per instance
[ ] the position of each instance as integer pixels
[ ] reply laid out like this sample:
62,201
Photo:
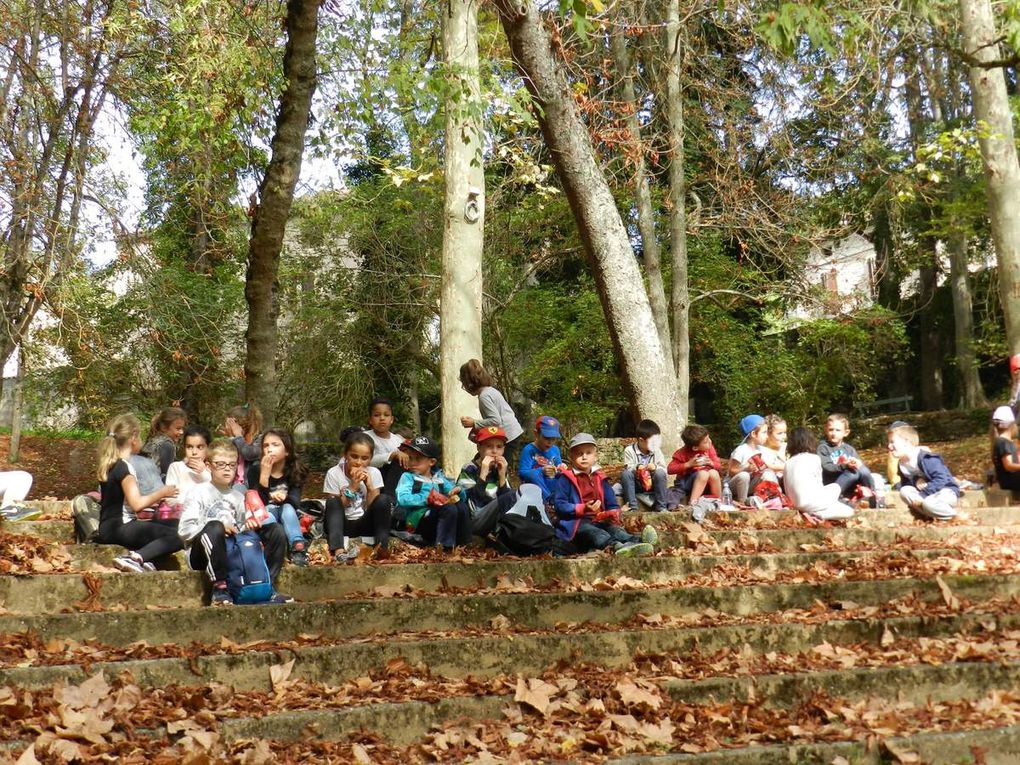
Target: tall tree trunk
460,309
646,371
275,196
972,395
681,298
651,252
998,150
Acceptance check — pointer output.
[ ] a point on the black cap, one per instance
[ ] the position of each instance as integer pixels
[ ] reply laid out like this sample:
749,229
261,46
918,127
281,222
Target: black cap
423,445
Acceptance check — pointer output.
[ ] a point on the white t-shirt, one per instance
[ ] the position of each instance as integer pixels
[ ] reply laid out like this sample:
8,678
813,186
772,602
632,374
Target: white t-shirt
206,503
185,479
128,514
336,481
384,447
804,487
773,456
744,452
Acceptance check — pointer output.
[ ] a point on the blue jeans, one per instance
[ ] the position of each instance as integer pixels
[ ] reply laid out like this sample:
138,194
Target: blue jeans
449,525
628,480
287,516
598,536
849,480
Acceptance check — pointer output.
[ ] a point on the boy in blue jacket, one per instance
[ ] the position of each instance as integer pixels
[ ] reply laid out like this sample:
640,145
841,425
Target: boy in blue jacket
587,512
928,486
541,460
430,502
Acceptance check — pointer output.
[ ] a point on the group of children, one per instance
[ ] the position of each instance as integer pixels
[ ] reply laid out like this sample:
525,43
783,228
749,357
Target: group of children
250,481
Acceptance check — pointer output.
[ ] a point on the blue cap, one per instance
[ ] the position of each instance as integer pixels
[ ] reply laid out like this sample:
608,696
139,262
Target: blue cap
548,426
750,424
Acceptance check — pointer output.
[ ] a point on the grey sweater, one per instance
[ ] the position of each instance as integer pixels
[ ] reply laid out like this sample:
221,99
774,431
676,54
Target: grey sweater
496,411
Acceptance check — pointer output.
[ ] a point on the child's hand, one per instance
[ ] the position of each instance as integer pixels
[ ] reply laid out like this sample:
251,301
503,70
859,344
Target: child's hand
651,467
278,496
853,464
501,464
467,422
169,491
266,464
252,523
194,464
401,457
455,492
594,506
549,470
232,429
229,529
484,468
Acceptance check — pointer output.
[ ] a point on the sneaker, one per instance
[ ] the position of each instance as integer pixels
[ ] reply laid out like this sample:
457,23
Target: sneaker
649,535
279,598
299,557
221,597
349,555
148,567
634,550
19,512
129,563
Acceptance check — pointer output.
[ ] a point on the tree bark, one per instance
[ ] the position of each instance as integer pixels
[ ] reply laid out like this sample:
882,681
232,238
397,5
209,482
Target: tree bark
460,319
275,196
646,372
972,395
650,250
681,299
998,151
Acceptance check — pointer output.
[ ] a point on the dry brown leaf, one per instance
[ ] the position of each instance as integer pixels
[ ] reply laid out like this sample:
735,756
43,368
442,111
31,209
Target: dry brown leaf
361,755
947,594
259,754
28,757
900,753
887,637
535,693
633,695
278,674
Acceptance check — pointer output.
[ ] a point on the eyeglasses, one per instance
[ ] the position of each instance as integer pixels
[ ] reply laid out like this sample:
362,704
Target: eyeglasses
223,465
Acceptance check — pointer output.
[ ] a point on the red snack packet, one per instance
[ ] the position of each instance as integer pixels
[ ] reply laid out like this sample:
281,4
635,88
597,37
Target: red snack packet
645,477
756,464
254,507
436,499
608,516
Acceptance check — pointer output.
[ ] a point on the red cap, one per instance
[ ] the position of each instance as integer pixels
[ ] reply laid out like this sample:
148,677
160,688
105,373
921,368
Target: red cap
1014,362
484,434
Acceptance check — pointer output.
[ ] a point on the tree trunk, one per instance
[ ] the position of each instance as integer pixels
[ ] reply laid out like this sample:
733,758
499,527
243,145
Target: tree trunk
930,350
460,317
681,298
998,150
275,195
650,250
972,395
646,372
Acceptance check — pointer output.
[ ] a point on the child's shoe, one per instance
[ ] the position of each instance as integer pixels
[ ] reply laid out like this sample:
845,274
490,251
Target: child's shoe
220,595
649,535
349,555
279,599
19,512
130,563
634,550
298,554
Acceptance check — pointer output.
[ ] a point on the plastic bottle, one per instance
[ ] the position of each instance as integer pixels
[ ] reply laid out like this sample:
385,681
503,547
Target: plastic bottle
727,496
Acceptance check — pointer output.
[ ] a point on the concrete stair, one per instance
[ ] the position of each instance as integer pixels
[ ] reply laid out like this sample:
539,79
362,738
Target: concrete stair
889,630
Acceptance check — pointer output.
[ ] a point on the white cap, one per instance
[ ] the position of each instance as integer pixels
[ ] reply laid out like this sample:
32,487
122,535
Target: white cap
1004,415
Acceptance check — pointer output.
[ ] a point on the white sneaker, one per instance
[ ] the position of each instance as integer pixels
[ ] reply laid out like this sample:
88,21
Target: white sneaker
129,563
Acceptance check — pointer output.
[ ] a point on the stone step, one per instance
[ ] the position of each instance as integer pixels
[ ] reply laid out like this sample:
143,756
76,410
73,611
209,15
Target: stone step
385,615
980,516
504,652
51,593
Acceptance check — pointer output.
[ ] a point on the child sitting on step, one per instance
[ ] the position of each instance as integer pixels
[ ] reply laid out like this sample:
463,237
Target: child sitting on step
540,460
187,473
484,479
696,465
644,468
429,502
747,466
841,464
803,481
164,434
278,478
928,487
1004,454
214,510
357,505
586,508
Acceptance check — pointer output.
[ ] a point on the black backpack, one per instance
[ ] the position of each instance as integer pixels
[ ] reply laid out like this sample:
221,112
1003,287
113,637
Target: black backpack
523,535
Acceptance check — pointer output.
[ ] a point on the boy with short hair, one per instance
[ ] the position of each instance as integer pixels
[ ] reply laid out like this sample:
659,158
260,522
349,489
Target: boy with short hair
747,468
430,502
696,465
586,508
644,468
215,510
928,486
840,461
540,460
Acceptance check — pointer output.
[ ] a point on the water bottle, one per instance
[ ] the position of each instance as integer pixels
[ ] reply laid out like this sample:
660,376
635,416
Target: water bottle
879,492
727,496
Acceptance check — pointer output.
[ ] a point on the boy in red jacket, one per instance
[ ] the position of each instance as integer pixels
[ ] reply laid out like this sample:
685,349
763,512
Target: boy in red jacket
586,508
696,465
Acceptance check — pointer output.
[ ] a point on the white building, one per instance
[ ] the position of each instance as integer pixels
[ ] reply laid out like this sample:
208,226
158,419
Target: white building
838,277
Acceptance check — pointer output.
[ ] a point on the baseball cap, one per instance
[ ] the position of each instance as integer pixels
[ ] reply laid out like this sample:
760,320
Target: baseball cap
548,426
484,434
750,423
422,445
1014,362
1004,415
581,439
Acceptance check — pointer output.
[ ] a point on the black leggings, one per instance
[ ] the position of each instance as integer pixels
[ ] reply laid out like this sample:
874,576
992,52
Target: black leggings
149,540
376,521
209,550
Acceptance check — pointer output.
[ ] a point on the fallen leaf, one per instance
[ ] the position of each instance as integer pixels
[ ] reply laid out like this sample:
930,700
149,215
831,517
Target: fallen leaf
278,674
947,594
633,695
535,693
887,637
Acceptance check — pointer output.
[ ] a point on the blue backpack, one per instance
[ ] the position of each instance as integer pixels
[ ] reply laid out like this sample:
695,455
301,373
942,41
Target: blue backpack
247,573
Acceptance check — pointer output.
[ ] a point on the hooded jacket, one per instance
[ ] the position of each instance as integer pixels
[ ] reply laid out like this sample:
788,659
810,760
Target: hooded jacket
569,508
